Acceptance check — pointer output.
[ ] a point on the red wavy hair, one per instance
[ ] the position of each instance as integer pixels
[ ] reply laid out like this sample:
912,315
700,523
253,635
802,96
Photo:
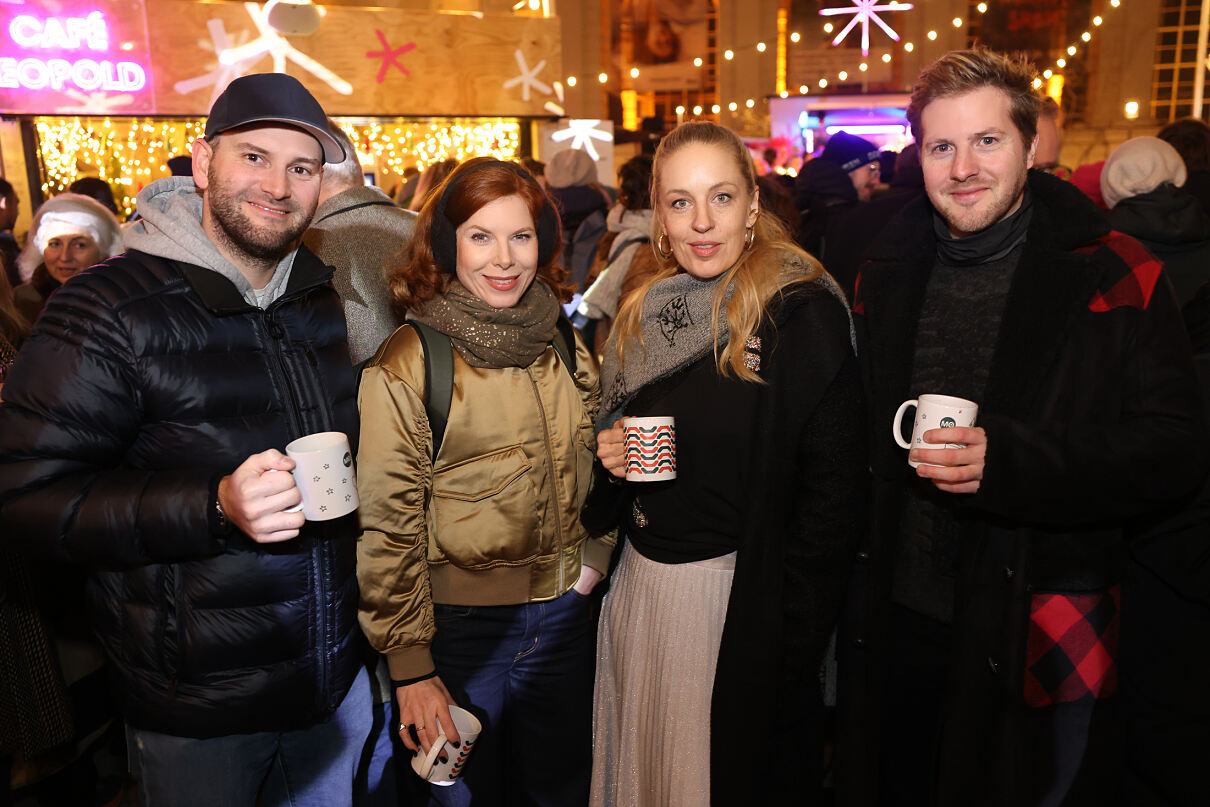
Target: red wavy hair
413,275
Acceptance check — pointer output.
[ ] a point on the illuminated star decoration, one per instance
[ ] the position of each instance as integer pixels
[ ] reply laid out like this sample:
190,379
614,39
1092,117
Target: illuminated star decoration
275,44
528,77
224,74
864,12
582,132
557,108
95,103
390,56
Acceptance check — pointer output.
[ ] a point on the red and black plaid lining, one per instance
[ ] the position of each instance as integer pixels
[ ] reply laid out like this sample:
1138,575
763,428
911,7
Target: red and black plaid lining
1133,290
1073,647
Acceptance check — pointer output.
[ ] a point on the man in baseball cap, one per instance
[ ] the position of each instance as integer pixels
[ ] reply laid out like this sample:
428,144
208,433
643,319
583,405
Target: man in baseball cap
141,436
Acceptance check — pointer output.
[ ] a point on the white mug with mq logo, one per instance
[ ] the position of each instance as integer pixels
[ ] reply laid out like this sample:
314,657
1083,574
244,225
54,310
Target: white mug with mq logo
933,412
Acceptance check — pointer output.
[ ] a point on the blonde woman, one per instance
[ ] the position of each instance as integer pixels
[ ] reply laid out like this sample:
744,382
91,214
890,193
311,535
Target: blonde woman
730,582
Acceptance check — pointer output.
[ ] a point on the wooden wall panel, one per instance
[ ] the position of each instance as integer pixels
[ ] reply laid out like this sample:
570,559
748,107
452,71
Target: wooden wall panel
457,64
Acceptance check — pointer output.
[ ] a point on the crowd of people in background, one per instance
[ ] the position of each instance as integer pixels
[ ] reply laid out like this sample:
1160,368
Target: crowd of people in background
1015,612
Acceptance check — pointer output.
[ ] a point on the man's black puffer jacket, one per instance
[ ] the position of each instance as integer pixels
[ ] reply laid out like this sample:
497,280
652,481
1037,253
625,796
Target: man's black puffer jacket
144,383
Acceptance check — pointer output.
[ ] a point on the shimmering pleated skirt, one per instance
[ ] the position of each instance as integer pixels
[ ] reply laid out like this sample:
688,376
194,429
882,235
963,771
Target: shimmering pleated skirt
658,642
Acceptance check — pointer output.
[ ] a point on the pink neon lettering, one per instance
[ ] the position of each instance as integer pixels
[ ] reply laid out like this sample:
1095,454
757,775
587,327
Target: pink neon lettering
25,30
32,74
86,74
73,33
131,76
60,70
80,74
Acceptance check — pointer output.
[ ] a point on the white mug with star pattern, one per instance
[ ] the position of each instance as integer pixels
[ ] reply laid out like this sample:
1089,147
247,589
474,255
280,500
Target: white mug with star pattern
323,471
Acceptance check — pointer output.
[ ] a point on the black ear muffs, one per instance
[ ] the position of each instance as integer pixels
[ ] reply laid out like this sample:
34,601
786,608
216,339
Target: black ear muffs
443,235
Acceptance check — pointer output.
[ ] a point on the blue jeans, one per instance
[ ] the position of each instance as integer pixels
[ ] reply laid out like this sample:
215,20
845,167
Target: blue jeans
311,767
526,672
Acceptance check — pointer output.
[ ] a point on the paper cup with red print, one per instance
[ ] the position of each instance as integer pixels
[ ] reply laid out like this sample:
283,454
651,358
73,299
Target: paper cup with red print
933,412
323,471
650,448
446,773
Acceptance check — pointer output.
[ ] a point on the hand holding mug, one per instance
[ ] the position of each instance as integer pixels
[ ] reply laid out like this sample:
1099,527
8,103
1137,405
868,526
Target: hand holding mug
611,449
444,732
425,708
255,498
953,470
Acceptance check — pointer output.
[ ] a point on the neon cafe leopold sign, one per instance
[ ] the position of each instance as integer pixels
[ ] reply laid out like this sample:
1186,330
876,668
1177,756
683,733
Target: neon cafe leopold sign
75,37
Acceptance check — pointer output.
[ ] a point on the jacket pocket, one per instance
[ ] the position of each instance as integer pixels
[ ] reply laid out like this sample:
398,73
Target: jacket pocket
171,635
485,510
1072,647
584,459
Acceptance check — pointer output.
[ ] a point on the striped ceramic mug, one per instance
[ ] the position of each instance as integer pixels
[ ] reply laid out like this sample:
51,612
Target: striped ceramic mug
650,448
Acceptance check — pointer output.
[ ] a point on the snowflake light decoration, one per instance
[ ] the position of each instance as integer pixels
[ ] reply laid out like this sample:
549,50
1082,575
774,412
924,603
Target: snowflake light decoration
272,43
528,77
581,133
224,74
96,103
865,12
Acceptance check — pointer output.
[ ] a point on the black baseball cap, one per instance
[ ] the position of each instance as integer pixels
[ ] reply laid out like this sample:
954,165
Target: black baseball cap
273,98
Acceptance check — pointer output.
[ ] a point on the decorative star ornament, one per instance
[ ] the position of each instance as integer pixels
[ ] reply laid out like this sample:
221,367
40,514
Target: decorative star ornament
865,12
390,56
581,133
528,77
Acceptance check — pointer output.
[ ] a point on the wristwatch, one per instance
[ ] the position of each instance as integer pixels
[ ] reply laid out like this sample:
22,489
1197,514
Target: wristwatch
224,523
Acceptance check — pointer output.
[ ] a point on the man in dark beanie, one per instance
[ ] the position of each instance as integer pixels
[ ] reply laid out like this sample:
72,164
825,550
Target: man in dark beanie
838,180
141,437
857,157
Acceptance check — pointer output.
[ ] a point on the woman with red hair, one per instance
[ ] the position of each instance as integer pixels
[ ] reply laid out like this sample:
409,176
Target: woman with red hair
473,565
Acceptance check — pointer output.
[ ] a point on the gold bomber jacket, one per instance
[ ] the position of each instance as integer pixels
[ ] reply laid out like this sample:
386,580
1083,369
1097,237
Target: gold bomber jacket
495,520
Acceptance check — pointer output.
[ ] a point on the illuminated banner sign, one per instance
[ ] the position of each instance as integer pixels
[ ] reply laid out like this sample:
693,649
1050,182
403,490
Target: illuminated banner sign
88,58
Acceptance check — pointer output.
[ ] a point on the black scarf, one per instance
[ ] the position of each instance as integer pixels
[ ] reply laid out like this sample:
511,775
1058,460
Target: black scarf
987,245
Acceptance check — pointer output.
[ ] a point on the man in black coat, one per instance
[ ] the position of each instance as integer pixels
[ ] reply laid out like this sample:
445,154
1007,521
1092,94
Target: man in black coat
141,436
979,656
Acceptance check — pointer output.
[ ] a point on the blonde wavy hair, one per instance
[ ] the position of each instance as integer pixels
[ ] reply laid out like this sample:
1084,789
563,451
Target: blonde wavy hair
757,275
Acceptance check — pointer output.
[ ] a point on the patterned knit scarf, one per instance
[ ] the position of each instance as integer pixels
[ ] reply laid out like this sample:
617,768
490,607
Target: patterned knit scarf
677,331
495,337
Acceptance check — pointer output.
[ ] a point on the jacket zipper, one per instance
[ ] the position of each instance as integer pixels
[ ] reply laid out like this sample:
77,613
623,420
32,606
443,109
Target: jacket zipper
554,483
277,333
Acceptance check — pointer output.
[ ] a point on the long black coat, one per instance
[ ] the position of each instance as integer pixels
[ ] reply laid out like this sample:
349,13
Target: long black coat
1092,417
807,493
144,383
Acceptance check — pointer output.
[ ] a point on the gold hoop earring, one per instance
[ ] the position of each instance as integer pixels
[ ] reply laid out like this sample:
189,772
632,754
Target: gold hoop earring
665,251
749,238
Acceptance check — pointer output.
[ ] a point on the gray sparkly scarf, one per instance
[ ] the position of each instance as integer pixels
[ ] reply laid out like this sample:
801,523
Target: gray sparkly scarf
677,331
494,337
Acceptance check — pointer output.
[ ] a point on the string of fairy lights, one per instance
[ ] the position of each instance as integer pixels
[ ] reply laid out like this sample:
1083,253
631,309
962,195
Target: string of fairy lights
131,153
823,80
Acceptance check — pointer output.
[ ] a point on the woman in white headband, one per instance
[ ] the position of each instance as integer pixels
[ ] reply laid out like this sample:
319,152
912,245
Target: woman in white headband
70,233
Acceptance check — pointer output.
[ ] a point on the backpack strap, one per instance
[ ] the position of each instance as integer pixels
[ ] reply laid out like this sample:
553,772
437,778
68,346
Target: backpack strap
564,344
438,379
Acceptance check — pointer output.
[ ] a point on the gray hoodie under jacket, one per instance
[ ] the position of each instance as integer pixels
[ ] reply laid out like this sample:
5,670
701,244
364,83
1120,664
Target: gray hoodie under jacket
170,227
